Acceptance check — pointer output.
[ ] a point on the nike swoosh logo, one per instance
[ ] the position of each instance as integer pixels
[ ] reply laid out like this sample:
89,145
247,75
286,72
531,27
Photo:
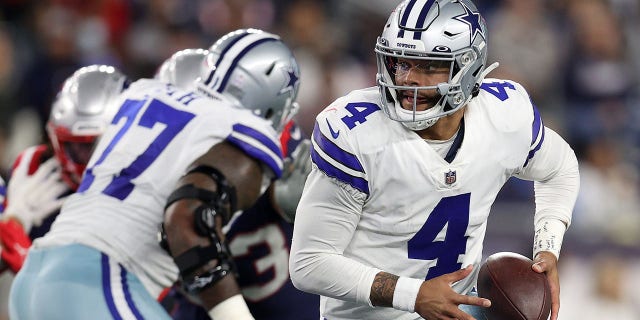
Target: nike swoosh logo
334,134
452,34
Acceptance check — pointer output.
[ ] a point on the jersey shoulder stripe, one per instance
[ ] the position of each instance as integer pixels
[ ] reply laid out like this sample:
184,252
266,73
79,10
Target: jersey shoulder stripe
337,162
257,145
334,151
343,133
537,126
537,134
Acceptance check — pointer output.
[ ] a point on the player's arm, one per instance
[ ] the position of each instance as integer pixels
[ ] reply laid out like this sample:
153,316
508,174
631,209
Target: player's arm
326,219
211,276
552,165
554,168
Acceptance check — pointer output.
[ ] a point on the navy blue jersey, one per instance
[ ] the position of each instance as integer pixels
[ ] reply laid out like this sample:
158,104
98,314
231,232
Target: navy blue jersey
260,242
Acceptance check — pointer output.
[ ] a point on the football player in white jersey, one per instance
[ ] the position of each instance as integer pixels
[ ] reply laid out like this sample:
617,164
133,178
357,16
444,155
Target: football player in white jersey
263,274
175,161
394,212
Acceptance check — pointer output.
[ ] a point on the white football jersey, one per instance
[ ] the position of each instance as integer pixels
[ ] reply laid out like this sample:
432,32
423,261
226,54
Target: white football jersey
410,211
157,133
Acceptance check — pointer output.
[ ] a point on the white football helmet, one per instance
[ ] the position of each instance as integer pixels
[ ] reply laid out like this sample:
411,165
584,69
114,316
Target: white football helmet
182,68
255,70
449,31
80,113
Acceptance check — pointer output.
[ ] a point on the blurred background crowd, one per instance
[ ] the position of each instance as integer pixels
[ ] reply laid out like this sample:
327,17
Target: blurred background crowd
579,60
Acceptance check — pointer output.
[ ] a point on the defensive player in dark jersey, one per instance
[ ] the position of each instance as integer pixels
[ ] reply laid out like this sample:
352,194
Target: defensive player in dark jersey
43,175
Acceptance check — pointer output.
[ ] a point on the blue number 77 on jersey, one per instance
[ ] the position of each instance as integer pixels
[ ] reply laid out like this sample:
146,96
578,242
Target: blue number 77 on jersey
156,112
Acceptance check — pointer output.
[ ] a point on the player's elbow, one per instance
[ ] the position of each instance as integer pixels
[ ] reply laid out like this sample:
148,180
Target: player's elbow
301,271
296,271
298,282
303,282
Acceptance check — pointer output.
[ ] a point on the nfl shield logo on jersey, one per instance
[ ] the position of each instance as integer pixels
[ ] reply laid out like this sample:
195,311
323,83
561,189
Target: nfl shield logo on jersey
450,177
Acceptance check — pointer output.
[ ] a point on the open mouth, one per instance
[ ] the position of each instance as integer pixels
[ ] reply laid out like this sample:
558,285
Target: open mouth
407,100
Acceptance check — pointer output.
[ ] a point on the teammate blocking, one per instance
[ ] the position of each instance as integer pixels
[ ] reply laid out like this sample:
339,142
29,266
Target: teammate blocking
259,238
199,156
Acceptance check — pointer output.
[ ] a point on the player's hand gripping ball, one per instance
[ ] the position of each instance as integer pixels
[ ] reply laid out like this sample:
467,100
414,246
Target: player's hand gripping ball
515,290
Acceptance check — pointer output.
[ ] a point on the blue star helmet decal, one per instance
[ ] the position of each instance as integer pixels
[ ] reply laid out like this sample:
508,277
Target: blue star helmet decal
473,20
292,82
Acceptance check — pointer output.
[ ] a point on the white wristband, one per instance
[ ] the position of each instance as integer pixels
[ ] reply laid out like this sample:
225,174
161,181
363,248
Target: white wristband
233,308
406,293
548,236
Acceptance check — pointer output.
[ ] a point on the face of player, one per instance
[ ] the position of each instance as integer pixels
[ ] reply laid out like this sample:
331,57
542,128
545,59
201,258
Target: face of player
79,152
420,73
74,157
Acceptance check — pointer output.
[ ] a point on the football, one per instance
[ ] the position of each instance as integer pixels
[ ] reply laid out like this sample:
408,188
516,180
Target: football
515,290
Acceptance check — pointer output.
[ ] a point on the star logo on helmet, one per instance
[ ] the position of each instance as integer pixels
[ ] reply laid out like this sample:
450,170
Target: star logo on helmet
291,82
473,20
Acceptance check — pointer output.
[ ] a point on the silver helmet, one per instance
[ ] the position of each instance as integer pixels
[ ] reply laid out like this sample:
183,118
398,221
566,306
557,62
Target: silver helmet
256,70
182,68
447,32
80,113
